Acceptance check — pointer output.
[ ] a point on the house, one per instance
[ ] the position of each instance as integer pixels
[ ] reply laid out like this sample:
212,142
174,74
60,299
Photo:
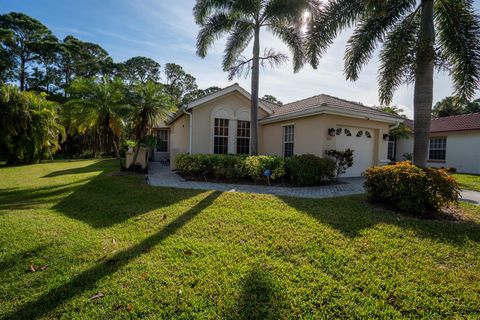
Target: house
454,143
220,123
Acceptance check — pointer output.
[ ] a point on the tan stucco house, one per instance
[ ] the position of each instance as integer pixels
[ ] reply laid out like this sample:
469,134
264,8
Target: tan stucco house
454,143
220,123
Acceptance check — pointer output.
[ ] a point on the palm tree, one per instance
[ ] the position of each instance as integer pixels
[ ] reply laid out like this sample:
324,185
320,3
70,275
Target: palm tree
29,126
150,103
242,21
99,107
417,37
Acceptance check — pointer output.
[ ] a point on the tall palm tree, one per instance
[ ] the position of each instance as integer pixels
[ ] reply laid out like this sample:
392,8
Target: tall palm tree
417,37
242,21
99,106
150,103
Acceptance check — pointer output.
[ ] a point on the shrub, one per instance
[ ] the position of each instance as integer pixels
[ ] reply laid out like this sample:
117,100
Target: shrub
411,188
343,159
217,166
256,165
308,169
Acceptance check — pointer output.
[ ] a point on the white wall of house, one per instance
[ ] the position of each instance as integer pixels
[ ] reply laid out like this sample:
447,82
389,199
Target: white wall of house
462,151
403,146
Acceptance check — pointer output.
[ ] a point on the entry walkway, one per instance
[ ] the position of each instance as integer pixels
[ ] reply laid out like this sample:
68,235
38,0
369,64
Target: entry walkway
162,176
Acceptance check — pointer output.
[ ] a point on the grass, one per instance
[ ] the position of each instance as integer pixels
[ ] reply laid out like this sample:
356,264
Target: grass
185,254
468,181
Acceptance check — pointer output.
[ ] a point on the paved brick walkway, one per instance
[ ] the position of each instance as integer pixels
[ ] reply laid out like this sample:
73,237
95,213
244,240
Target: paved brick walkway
162,176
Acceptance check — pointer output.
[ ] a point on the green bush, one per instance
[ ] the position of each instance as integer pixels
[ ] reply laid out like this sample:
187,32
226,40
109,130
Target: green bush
256,165
230,167
411,188
308,169
217,166
343,160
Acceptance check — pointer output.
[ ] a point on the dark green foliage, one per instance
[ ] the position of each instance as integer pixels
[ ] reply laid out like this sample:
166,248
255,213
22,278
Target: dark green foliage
139,69
271,99
256,165
179,84
343,159
26,41
396,26
29,126
308,169
411,188
453,106
300,170
230,167
218,166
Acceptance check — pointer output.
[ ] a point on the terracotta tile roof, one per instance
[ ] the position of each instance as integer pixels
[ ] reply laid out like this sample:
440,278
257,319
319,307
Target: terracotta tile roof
329,101
453,123
270,105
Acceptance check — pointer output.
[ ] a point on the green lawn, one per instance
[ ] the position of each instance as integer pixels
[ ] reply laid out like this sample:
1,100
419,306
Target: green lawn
184,254
468,181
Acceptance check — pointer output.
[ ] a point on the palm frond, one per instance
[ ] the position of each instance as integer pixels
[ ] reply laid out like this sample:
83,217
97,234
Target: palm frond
458,30
237,41
327,23
292,37
370,30
243,66
397,58
212,29
204,8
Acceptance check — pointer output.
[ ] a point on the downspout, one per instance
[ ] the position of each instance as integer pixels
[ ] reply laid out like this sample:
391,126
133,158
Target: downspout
189,131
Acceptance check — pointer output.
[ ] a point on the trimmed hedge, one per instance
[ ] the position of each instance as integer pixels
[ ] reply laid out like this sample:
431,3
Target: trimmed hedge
411,188
300,170
308,169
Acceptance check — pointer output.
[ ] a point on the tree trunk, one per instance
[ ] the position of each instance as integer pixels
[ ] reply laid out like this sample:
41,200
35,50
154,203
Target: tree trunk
22,75
423,94
254,94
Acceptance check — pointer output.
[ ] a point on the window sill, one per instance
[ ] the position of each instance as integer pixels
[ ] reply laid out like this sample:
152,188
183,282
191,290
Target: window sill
437,161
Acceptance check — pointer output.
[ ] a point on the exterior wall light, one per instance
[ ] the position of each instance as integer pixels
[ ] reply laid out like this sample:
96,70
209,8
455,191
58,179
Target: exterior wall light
386,136
331,132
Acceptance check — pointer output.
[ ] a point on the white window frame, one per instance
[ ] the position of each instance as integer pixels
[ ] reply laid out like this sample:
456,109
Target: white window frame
227,127
290,139
437,148
243,137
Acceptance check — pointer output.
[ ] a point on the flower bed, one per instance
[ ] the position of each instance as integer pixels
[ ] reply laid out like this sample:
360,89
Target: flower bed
299,170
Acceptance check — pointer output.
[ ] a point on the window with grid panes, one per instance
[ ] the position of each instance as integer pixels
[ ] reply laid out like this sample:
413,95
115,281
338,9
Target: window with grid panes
220,136
243,137
288,137
437,149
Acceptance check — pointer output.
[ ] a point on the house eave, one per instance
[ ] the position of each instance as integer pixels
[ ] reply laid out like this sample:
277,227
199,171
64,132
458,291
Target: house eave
333,111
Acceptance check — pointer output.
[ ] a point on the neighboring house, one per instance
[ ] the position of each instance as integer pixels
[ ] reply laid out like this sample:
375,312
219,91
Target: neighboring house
454,143
220,123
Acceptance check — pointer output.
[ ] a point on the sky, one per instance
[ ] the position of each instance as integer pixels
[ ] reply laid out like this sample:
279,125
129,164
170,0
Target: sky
165,31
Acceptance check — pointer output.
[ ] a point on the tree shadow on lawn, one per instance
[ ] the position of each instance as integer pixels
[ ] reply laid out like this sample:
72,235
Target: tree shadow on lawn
261,297
98,165
352,214
21,199
87,279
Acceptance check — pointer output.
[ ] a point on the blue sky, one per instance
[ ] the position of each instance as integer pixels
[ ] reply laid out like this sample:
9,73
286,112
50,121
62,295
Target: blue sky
164,30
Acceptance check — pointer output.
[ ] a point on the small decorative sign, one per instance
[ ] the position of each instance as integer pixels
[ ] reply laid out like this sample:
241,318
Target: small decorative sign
267,173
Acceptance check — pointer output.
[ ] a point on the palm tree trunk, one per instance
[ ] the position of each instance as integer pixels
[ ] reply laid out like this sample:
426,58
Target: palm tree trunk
423,94
254,94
